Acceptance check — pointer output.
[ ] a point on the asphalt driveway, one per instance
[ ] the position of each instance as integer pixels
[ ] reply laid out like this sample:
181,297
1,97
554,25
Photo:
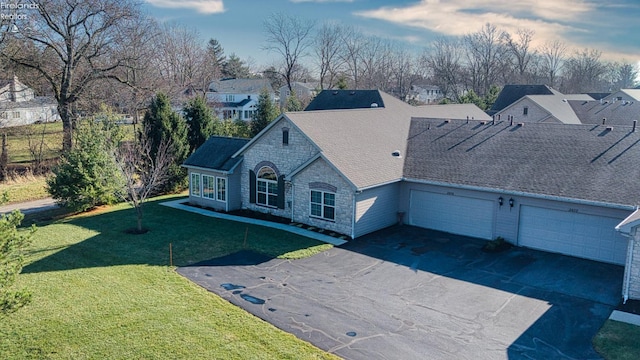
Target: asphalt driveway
410,293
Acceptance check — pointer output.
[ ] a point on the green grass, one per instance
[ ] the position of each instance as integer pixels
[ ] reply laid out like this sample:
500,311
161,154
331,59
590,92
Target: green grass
618,341
25,189
99,293
18,140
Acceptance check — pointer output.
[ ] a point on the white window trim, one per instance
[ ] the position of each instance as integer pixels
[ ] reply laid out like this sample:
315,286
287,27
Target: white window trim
213,189
199,185
322,205
267,182
218,190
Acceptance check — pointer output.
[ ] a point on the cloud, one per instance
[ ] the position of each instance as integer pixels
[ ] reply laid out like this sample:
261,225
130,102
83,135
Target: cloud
201,6
548,18
319,1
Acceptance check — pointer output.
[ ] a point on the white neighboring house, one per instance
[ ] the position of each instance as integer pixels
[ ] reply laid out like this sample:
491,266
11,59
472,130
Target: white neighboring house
305,91
425,94
20,106
237,98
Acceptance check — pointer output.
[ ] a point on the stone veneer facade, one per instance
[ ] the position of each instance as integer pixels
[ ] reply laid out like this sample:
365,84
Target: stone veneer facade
314,176
286,158
634,266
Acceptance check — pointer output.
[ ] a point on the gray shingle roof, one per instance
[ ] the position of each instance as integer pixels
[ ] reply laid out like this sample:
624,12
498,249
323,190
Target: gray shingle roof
618,113
345,99
359,142
216,153
586,162
240,86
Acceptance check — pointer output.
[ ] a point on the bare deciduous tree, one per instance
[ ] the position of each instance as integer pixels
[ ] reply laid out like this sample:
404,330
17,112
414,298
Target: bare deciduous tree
144,173
328,47
73,44
520,49
583,72
552,55
290,37
445,61
485,55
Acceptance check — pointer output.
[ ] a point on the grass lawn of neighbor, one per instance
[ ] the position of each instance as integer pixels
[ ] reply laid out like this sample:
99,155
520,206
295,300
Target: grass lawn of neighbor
100,293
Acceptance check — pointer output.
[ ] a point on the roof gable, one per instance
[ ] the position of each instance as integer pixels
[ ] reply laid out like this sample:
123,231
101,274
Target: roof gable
585,162
511,93
216,153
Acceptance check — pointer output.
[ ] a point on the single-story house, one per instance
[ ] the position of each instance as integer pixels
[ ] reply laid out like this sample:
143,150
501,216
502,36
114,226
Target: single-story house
211,168
237,99
554,187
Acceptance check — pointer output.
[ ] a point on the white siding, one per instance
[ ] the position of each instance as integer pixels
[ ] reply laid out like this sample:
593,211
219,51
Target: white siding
572,233
451,213
376,208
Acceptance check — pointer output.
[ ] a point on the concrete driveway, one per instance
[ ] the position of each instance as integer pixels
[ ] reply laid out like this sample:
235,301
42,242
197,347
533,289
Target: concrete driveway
410,293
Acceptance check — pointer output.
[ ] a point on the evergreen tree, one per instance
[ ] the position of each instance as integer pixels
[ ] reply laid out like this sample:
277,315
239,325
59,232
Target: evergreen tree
200,122
491,97
235,68
266,112
216,53
161,122
472,98
12,246
87,175
293,103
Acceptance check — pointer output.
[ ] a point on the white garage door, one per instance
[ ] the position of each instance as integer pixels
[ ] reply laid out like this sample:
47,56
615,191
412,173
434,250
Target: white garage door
581,235
453,214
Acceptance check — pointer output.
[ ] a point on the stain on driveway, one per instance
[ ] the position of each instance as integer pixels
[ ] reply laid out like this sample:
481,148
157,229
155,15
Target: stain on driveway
411,293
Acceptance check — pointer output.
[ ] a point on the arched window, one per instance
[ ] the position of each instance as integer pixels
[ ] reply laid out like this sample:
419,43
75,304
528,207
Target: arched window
267,187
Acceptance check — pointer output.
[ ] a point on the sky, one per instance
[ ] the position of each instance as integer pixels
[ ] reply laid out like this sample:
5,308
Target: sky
612,27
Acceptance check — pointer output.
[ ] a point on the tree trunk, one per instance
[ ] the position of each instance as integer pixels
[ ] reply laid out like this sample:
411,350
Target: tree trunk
67,126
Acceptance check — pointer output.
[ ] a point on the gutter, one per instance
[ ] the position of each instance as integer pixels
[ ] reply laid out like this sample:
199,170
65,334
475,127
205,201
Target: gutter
207,169
524,194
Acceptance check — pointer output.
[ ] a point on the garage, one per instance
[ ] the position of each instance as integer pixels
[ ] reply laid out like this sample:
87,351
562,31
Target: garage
572,233
453,214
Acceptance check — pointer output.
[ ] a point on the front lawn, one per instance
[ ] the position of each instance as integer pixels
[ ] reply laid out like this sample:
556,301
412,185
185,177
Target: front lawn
100,293
618,341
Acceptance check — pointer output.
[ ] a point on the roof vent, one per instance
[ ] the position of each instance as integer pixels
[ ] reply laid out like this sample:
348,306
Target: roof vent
520,124
635,122
335,92
483,122
352,93
564,100
604,120
609,128
396,153
374,105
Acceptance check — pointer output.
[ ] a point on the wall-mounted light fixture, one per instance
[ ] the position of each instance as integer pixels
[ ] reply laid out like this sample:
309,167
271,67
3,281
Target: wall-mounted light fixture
511,202
500,201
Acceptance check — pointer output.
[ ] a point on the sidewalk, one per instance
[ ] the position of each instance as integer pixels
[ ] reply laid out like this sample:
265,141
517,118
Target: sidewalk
30,206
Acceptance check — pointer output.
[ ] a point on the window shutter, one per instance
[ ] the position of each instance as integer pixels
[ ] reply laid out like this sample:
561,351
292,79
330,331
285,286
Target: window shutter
252,187
281,192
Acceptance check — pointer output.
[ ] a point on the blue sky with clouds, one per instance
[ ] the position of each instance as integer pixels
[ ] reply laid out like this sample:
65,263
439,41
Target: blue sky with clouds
612,27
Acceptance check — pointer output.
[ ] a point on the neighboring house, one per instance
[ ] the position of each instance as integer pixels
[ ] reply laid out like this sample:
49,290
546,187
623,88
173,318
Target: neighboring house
542,108
425,94
19,105
548,186
237,98
623,95
305,92
606,112
367,99
511,93
214,177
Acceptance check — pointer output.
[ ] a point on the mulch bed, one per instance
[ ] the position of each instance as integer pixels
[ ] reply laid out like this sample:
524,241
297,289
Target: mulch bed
632,306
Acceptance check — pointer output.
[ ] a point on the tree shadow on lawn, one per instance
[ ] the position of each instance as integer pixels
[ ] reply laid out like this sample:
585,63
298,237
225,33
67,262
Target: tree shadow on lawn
194,238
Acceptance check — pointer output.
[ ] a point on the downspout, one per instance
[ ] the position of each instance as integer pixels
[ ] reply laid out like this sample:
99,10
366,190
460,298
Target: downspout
353,217
293,198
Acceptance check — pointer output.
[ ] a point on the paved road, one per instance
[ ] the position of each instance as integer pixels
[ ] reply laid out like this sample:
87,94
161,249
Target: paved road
409,293
30,206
